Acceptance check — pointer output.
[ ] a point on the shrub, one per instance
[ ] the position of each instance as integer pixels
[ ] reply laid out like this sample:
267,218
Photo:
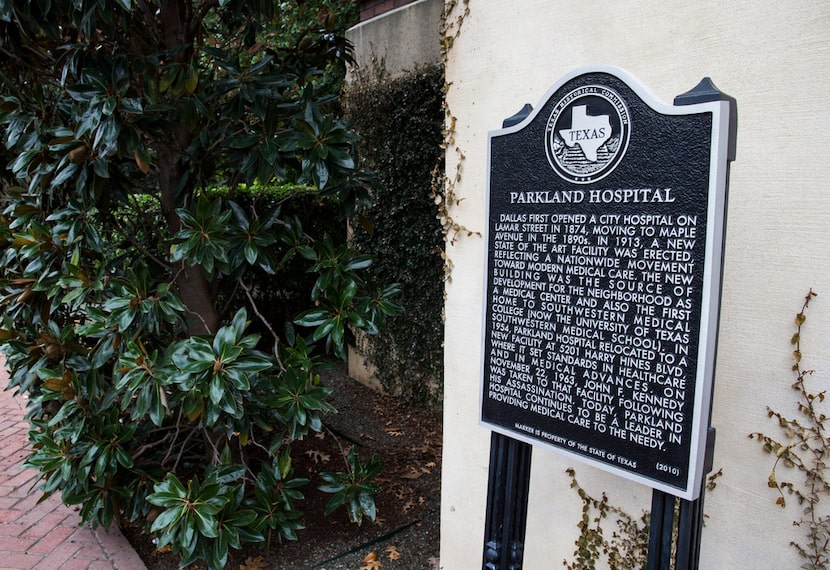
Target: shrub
132,259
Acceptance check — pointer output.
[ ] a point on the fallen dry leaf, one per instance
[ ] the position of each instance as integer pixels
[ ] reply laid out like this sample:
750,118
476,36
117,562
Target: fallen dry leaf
402,492
318,456
372,562
392,553
394,431
413,473
257,563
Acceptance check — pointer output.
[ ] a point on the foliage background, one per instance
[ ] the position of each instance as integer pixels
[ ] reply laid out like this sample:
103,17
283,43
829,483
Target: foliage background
135,238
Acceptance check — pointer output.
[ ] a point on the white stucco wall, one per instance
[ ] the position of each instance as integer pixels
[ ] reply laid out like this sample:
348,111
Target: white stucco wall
773,58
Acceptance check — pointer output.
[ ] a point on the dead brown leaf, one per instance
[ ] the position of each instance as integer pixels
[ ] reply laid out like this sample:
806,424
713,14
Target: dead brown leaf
372,562
143,166
318,456
394,431
257,563
392,552
413,473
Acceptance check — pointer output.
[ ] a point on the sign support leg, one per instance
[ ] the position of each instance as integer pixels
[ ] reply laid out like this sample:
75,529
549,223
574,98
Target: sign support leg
507,494
661,535
660,531
689,528
689,524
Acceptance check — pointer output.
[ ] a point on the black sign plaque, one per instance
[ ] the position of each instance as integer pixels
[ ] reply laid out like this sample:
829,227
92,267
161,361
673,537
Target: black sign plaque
604,247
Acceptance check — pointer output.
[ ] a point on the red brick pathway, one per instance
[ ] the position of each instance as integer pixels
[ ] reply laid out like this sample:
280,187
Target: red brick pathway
48,535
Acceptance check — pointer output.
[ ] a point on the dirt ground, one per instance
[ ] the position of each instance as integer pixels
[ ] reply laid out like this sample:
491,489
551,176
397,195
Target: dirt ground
406,533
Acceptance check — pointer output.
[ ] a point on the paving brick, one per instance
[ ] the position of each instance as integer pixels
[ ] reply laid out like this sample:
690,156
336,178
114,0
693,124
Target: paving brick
20,561
13,492
48,508
12,515
52,540
60,555
7,503
78,564
46,524
26,504
91,552
15,543
83,535
24,478
12,529
13,464
15,443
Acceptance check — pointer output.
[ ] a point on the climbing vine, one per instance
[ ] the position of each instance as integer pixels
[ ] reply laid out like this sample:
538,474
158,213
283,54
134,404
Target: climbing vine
803,449
400,124
406,127
443,183
627,546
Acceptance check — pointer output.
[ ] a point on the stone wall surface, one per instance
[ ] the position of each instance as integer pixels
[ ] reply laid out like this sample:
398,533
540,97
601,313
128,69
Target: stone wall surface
773,61
401,39
372,8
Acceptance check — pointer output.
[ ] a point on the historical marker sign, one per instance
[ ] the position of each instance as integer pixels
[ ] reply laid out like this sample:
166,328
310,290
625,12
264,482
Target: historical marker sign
605,234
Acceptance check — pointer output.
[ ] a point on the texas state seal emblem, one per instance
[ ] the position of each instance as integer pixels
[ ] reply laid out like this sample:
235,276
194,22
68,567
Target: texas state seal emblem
587,134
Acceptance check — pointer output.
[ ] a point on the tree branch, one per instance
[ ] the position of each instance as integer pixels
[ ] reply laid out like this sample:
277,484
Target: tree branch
264,322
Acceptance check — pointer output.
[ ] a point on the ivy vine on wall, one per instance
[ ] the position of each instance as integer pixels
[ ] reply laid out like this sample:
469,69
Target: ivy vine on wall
627,546
803,450
400,122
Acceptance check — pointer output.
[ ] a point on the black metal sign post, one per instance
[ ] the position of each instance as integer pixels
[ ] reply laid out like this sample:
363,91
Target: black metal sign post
606,212
509,482
690,515
507,496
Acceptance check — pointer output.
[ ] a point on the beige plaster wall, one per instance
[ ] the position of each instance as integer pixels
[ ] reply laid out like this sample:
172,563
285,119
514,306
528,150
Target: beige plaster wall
773,58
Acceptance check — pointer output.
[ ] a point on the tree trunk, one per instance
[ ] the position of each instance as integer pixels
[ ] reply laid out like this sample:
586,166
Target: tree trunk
193,287
175,20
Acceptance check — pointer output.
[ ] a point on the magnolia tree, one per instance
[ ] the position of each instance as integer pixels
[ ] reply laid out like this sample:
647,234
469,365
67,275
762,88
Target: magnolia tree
128,284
